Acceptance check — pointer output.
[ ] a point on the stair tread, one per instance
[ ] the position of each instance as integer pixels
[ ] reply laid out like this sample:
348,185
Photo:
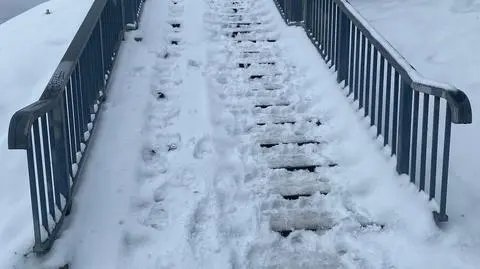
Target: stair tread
307,219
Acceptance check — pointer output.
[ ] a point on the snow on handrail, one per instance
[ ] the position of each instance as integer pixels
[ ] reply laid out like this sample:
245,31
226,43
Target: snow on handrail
456,99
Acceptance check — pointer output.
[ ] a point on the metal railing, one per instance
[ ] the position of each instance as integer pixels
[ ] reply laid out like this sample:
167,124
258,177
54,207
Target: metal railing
411,114
55,130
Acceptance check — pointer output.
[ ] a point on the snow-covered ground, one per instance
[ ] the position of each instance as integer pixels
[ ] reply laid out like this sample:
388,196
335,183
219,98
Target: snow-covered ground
11,8
31,46
177,177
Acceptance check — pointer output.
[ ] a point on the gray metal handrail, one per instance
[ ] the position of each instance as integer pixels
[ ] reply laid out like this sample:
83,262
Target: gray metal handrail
55,130
388,89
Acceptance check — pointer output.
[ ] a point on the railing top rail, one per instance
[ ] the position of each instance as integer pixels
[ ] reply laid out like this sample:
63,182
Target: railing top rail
457,100
22,120
81,38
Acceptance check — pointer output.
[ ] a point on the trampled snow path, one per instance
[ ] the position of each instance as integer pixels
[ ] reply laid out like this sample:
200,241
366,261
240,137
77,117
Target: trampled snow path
249,157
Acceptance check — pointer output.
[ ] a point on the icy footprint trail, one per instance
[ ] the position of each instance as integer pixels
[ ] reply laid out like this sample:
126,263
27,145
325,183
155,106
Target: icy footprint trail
175,210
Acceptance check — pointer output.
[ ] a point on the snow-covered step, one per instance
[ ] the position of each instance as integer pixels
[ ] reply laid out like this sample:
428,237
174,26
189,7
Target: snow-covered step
269,119
293,188
278,78
301,219
272,111
256,39
299,140
262,102
215,18
248,64
255,53
308,129
246,25
235,9
299,176
298,161
254,104
308,148
254,86
267,85
227,16
281,114
254,93
264,69
282,137
289,256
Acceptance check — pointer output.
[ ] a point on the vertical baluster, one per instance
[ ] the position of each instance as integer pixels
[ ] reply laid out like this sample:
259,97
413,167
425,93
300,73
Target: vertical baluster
423,154
308,18
396,89
380,95
33,191
327,30
374,110
317,22
362,72
405,128
342,48
60,149
413,163
357,65
446,155
40,176
336,39
323,26
48,165
388,89
332,32
70,124
368,78
433,167
351,66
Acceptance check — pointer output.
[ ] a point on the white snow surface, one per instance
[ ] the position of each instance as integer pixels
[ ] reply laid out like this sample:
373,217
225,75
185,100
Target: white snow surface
31,46
176,178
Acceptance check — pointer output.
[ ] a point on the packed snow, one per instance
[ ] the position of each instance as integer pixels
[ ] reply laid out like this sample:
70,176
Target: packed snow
31,46
187,167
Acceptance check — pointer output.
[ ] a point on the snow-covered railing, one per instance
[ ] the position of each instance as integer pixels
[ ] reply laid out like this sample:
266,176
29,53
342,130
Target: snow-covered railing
55,131
407,110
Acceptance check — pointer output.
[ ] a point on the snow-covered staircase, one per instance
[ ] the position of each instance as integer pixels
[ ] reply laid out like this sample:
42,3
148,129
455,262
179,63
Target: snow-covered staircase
293,148
226,142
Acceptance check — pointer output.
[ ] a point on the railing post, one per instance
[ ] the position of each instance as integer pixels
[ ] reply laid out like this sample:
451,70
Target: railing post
404,129
442,215
342,47
124,23
304,13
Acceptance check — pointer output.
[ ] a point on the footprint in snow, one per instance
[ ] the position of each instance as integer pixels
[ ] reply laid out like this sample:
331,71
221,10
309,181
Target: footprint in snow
194,63
202,148
157,217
